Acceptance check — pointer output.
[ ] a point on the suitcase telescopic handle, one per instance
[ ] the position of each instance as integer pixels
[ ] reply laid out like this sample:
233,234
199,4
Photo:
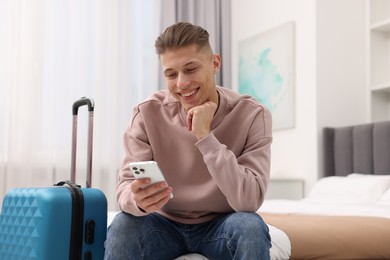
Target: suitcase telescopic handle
82,102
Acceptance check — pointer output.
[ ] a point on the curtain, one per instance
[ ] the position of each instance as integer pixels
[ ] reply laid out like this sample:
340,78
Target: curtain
215,17
51,54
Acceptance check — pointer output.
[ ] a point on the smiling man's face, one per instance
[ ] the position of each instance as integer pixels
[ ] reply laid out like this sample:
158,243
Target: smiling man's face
190,75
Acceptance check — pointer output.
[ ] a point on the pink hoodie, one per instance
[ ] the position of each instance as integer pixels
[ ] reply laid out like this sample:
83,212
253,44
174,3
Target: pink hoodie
226,171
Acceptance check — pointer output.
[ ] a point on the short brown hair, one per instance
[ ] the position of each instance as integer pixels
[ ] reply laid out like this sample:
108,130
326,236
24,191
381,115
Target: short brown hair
182,34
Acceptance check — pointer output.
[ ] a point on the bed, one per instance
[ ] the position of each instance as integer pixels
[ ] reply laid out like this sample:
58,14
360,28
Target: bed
346,215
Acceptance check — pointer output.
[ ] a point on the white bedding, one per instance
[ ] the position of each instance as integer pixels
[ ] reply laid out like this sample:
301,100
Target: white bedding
281,246
352,195
324,208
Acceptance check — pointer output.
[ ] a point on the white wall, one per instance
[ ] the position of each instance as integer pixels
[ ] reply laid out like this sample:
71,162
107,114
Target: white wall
329,74
341,65
341,62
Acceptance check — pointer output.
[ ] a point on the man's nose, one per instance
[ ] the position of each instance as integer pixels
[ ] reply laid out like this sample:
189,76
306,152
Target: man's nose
182,81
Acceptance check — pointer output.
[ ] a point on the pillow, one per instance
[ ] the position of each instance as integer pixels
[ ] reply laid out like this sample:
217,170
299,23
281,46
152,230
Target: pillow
385,199
340,189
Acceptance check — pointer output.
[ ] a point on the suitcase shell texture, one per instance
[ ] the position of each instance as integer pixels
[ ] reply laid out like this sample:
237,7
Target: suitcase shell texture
35,224
59,222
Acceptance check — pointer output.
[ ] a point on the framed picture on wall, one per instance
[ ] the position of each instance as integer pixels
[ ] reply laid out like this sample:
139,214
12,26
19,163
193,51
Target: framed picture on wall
266,71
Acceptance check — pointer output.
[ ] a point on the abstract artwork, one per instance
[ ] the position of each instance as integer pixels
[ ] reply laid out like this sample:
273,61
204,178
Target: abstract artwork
266,72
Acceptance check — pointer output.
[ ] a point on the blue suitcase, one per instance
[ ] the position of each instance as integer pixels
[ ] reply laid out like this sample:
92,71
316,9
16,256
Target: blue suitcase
59,222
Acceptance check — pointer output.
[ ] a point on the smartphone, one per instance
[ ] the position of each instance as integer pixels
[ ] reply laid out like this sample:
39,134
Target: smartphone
147,169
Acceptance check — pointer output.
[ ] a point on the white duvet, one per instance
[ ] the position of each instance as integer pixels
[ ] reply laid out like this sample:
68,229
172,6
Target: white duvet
308,207
353,195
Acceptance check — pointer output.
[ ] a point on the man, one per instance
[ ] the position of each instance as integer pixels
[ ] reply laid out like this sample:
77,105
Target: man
213,147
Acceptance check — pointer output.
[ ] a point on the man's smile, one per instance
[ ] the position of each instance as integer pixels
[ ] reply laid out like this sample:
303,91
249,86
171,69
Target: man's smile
190,93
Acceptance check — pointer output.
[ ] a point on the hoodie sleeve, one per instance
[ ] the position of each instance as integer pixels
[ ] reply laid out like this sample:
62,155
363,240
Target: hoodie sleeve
243,179
135,138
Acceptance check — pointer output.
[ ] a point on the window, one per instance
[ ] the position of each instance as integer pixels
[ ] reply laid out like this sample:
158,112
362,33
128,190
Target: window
51,54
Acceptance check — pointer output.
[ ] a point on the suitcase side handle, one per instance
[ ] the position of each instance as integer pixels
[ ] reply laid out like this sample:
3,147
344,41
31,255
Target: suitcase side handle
90,103
69,183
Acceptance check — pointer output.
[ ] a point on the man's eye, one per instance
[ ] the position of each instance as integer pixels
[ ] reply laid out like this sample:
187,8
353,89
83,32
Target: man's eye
190,70
170,75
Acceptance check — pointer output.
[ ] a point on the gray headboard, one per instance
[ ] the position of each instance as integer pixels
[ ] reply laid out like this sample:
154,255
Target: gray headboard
361,148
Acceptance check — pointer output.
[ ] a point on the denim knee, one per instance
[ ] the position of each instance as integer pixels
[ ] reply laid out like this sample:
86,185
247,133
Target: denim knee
239,235
120,234
250,236
250,224
148,237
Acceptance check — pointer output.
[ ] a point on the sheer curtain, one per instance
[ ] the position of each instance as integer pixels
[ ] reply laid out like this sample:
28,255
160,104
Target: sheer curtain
51,54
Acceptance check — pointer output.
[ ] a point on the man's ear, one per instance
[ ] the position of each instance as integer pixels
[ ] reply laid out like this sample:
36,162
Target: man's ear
216,62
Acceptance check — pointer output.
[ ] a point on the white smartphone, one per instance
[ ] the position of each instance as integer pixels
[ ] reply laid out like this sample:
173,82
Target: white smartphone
147,169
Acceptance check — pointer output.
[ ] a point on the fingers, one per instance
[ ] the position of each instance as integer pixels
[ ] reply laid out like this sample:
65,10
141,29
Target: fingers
189,119
154,203
151,198
199,119
137,185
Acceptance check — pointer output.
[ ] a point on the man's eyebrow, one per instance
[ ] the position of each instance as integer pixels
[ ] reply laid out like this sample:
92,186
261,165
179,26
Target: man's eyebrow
187,64
190,63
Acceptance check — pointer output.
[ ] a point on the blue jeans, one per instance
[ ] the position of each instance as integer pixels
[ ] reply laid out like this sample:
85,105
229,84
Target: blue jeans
237,235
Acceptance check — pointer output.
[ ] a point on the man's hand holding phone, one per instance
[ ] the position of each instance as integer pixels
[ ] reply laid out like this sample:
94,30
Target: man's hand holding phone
151,191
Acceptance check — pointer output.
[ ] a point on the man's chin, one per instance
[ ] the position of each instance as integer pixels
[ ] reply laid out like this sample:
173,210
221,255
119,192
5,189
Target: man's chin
187,106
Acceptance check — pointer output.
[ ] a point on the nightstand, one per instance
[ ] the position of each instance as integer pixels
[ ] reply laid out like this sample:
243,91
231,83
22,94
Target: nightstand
285,189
